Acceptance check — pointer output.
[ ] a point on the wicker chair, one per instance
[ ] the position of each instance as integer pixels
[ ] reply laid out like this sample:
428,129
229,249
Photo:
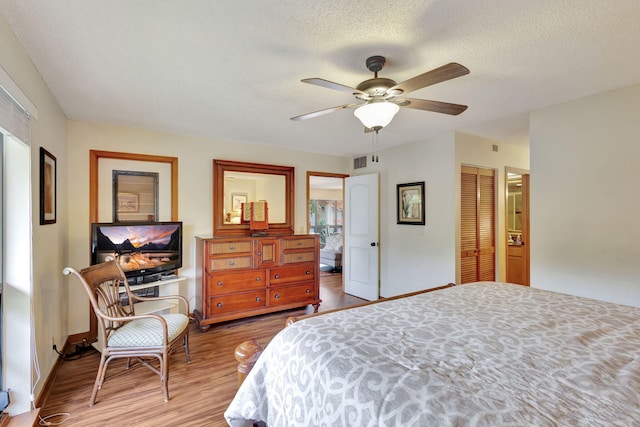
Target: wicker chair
127,335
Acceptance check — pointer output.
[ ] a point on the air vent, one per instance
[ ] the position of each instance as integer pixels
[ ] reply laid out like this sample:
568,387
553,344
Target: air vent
360,162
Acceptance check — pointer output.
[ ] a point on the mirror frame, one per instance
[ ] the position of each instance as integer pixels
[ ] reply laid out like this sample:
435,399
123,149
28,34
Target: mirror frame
220,229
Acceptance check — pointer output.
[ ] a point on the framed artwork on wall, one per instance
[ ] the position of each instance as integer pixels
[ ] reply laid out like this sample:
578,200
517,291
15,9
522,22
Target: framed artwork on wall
410,203
47,187
135,196
237,199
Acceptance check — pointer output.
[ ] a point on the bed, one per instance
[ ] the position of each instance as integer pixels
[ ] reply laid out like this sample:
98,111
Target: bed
481,354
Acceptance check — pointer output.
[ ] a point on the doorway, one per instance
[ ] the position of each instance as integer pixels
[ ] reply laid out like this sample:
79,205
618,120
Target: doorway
325,217
517,232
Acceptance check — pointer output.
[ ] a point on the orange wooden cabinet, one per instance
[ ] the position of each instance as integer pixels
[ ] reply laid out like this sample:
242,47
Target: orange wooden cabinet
246,276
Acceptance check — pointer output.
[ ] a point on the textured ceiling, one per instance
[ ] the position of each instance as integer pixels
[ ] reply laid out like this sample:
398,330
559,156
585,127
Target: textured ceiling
231,70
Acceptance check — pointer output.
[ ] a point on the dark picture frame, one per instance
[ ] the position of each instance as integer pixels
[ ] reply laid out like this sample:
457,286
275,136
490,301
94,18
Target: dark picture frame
48,187
135,195
410,202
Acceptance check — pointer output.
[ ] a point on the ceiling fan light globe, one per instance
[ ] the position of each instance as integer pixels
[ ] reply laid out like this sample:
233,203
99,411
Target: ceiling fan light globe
376,114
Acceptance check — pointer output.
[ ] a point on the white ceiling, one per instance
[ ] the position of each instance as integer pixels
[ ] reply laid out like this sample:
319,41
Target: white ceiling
231,70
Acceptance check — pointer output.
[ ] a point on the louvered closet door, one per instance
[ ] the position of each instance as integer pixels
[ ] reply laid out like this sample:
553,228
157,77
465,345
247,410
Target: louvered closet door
477,224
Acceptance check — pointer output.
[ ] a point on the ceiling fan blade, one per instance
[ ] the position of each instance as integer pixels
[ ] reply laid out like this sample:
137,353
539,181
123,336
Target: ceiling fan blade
435,106
331,85
323,112
437,75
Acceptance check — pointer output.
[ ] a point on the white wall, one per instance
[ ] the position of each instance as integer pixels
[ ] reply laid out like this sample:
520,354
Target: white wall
195,189
473,150
415,257
585,164
49,242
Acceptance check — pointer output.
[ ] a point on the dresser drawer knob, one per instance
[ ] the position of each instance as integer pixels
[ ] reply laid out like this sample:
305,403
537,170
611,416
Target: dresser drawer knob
299,257
232,263
220,283
277,276
307,272
258,299
232,248
258,279
276,296
219,305
308,291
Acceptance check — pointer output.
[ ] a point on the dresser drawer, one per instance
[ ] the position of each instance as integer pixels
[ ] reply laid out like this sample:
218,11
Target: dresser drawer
289,258
224,283
229,263
291,274
236,302
224,248
299,243
289,294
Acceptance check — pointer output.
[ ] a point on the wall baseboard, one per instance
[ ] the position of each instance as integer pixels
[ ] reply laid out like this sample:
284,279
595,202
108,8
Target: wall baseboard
48,384
26,419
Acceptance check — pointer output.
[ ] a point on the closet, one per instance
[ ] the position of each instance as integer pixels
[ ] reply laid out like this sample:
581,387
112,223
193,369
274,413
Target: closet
477,224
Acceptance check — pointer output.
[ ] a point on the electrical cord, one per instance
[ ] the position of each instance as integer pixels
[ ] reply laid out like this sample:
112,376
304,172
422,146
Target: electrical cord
45,421
81,351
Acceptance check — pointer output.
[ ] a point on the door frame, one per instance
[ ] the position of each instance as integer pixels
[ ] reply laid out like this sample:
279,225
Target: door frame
526,222
320,174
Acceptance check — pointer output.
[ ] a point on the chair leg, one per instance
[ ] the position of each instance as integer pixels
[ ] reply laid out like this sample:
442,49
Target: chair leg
185,345
102,369
164,374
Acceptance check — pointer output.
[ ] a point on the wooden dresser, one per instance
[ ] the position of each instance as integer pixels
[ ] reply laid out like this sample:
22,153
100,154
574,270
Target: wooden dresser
245,276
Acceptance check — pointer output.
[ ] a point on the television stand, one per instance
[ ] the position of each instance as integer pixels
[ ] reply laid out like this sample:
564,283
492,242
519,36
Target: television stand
151,278
170,286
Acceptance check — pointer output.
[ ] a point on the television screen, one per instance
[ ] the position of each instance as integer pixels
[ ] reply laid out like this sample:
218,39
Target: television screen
141,248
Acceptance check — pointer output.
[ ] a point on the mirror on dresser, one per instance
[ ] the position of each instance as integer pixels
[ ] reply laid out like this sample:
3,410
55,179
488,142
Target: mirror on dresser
235,183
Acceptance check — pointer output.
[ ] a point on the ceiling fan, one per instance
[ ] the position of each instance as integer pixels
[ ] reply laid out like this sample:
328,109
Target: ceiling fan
379,99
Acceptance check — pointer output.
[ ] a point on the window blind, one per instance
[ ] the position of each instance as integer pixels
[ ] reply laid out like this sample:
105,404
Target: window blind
13,118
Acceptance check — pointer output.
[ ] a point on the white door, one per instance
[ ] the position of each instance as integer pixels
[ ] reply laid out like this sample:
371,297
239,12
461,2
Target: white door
360,266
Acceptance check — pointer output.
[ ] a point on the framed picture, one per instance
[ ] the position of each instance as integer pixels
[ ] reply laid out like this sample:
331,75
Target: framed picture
410,203
237,199
135,196
128,202
47,187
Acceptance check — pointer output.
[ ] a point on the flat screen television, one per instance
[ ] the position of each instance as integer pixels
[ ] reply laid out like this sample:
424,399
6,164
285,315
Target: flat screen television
145,250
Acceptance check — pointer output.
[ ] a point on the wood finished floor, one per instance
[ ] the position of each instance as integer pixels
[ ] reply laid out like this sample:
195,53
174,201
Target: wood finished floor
200,391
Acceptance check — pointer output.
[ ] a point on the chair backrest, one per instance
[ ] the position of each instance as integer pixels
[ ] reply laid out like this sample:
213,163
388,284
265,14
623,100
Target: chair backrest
104,283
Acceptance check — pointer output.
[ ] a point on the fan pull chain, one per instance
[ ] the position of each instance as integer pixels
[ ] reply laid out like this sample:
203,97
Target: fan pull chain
375,143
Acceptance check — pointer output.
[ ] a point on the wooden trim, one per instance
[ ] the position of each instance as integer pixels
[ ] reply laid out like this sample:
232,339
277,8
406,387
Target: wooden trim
324,174
220,229
94,157
26,419
525,176
48,385
247,353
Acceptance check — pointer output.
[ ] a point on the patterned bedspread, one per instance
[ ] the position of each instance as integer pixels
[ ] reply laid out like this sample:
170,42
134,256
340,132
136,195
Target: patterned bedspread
484,354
